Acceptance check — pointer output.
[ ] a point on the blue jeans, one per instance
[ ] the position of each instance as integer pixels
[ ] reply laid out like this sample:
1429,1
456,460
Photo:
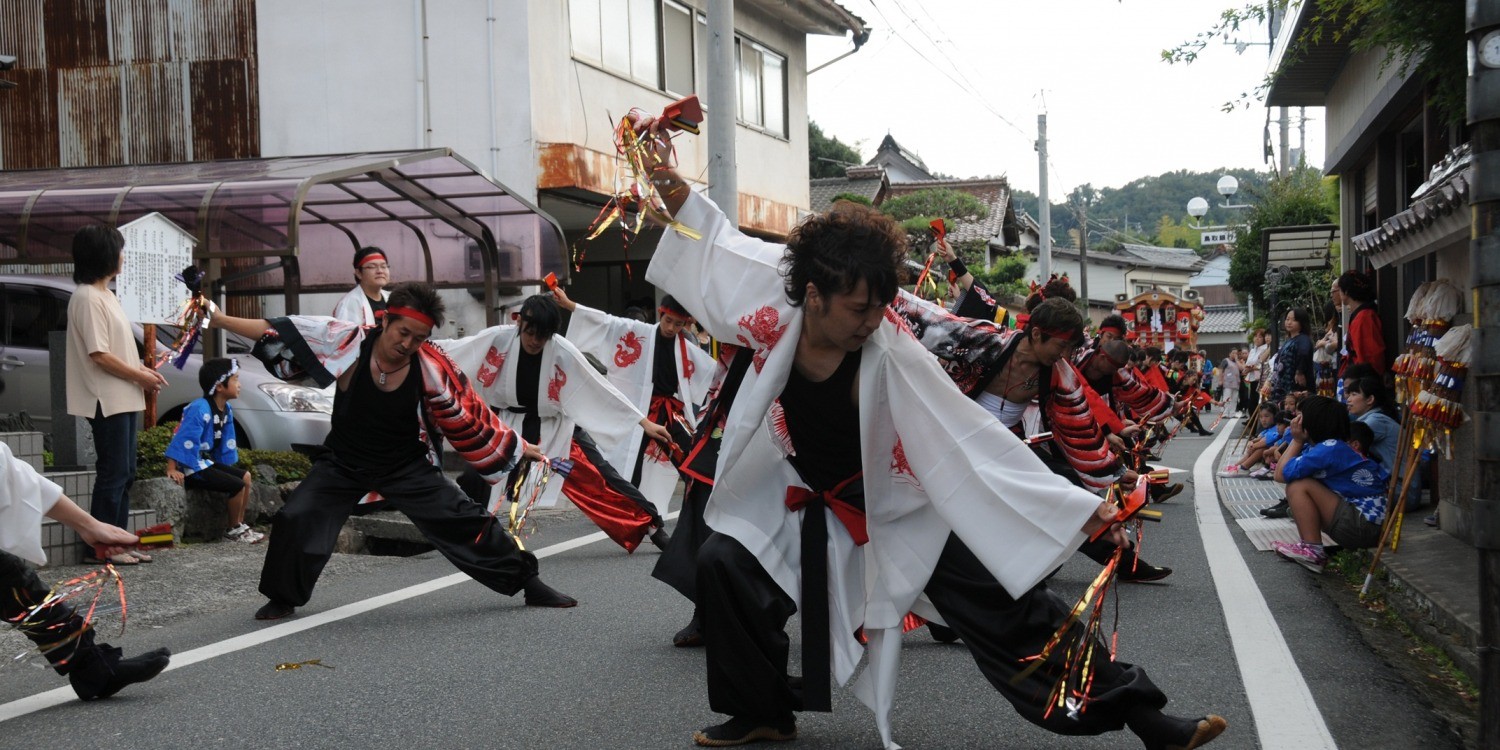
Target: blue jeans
115,443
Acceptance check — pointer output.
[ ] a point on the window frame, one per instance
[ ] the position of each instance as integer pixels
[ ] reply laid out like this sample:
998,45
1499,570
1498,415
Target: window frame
783,132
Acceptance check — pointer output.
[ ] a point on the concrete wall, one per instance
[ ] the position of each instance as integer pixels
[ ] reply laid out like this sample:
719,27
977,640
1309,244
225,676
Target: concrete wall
1105,279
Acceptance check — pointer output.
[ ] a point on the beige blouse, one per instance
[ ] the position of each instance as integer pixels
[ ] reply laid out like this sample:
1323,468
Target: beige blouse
96,323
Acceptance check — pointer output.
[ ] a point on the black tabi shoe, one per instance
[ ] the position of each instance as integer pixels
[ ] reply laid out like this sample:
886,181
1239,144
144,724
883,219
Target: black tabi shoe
690,636
1160,731
106,673
1142,572
539,594
1208,728
1279,510
942,633
274,611
738,731
660,538
1166,493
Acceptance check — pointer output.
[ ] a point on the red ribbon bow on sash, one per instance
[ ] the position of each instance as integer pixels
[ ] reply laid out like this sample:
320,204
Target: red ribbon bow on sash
853,517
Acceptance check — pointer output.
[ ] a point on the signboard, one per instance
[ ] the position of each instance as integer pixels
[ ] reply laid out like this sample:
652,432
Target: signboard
1299,247
156,250
1221,237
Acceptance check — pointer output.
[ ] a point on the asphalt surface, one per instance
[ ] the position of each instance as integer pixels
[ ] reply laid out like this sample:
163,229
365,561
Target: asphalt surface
461,666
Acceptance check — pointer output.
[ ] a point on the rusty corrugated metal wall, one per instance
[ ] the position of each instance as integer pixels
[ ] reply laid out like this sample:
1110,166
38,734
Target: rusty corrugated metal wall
128,82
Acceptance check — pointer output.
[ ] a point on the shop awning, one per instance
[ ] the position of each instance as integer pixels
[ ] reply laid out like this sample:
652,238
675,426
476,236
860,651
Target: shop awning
291,224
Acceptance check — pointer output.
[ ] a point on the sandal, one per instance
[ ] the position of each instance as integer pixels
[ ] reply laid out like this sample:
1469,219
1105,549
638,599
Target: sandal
124,558
139,557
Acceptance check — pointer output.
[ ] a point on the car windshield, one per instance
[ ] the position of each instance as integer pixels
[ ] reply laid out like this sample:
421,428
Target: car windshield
233,343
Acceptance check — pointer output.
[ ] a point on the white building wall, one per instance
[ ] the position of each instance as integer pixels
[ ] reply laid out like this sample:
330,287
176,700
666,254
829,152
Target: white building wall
1105,280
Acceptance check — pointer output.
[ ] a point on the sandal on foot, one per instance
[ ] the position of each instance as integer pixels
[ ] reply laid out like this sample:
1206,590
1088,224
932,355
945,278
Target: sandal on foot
738,731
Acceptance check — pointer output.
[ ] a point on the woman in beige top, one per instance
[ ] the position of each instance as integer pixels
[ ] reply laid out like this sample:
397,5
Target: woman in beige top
106,380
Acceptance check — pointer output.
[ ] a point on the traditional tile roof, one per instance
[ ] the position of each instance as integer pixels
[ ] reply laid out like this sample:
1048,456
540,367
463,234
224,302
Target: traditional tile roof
1164,257
868,181
1445,192
1222,319
902,162
993,192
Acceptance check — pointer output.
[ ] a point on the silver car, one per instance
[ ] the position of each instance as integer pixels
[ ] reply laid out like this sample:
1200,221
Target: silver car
269,414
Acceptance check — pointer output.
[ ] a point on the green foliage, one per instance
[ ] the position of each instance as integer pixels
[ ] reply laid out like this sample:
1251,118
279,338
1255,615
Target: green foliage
1006,276
952,205
290,466
48,460
151,449
1422,35
852,198
1302,197
1130,213
1171,234
151,459
827,155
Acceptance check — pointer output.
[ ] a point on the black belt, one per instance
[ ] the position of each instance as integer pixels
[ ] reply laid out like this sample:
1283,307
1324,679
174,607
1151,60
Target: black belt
816,649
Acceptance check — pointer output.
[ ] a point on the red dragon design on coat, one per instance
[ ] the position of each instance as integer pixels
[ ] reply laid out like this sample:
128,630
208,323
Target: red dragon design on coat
555,385
629,349
763,331
494,362
901,468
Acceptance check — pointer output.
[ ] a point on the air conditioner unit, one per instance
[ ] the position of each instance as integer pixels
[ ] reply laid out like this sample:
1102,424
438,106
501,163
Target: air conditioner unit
1121,297
1191,294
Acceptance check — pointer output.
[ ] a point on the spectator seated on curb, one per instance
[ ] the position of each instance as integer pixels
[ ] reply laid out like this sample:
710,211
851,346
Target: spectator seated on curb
1272,457
1331,487
1255,450
202,454
1361,437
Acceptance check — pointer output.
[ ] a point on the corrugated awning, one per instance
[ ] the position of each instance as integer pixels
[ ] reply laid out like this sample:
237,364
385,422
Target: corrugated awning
293,223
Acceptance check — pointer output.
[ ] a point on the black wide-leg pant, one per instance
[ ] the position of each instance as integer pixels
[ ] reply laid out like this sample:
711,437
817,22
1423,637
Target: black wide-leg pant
744,632
677,566
58,631
304,532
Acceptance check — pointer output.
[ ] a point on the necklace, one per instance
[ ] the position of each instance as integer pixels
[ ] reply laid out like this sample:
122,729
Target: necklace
381,380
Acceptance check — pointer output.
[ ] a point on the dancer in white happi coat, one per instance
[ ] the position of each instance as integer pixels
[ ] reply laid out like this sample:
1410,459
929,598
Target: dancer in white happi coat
365,303
661,369
856,485
545,389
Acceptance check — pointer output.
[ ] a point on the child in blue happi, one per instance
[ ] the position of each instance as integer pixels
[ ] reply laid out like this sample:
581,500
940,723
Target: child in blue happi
202,454
1331,488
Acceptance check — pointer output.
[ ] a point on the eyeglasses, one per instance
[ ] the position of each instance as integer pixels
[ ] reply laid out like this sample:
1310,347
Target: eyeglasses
376,267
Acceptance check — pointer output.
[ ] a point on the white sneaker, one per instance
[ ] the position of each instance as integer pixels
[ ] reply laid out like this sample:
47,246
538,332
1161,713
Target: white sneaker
1232,470
244,534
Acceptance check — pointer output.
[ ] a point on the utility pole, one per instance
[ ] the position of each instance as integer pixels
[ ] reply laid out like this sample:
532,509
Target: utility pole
1286,144
1484,259
1044,207
1081,212
723,181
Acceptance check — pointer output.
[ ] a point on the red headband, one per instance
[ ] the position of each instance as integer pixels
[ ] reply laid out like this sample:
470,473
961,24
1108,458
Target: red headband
368,258
664,310
407,312
1058,333
1112,326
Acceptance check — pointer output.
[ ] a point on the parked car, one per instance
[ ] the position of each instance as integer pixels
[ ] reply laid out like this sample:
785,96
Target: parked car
269,414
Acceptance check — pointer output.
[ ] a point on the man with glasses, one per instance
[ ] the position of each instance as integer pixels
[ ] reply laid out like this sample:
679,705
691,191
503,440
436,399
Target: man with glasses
365,303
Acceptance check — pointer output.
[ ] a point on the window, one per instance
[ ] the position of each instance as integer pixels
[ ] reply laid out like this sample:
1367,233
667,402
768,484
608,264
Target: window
30,314
618,35
762,81
677,47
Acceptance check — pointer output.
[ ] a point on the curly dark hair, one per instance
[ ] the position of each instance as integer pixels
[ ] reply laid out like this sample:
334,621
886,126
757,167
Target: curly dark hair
837,249
1056,317
419,297
1057,287
1357,286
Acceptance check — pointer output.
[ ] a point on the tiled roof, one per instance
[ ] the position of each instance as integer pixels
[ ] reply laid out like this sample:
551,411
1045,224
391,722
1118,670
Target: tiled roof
994,193
862,180
1164,257
890,151
1446,191
1222,319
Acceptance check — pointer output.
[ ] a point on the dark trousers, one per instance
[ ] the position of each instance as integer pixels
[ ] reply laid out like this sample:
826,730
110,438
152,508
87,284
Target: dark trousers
304,532
57,631
744,620
677,566
115,444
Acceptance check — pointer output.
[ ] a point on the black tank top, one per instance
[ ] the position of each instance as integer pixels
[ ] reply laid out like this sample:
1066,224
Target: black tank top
823,422
373,429
664,367
528,382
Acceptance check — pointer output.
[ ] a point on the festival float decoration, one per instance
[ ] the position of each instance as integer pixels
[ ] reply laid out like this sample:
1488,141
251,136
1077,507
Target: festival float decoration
1160,319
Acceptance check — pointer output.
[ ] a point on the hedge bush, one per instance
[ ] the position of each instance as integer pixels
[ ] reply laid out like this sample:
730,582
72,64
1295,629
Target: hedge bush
151,460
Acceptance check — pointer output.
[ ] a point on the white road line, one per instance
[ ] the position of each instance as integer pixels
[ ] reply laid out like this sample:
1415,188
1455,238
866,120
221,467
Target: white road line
40,701
1283,706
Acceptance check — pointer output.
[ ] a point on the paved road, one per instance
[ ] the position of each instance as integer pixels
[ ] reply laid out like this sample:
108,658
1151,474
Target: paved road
451,664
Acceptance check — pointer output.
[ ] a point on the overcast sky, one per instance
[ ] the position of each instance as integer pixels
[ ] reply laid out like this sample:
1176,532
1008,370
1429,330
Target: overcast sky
1115,110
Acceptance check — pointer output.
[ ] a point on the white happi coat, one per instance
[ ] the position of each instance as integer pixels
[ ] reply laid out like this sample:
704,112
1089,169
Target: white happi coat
354,307
25,497
935,463
627,348
570,391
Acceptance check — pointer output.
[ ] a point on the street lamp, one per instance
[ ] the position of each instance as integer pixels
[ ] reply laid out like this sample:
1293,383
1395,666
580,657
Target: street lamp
1198,207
